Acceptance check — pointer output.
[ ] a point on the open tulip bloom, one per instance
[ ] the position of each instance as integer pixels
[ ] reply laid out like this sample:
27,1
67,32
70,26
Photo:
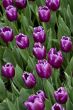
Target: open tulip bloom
36,54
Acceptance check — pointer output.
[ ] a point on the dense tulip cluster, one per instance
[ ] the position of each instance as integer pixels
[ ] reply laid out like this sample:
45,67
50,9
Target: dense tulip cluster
44,12
41,62
11,10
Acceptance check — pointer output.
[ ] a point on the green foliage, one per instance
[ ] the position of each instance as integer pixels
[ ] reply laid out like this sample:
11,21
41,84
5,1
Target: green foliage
61,24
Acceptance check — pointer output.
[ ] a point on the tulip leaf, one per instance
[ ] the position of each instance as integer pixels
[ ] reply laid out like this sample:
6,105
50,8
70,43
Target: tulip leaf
18,77
69,105
3,106
49,90
69,67
11,106
24,94
48,104
62,28
8,56
3,93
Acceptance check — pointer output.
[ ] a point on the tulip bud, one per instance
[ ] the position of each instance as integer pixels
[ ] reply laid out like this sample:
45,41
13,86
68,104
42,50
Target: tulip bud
61,95
66,44
41,95
44,13
29,79
6,34
22,41
35,104
55,58
44,69
53,4
57,106
21,3
11,13
39,34
39,51
6,3
8,70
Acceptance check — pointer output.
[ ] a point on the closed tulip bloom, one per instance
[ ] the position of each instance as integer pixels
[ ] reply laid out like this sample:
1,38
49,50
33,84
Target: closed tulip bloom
57,106
66,44
44,14
35,104
39,34
61,95
11,13
44,69
41,95
22,41
21,3
29,79
39,51
6,34
55,58
7,3
8,70
53,4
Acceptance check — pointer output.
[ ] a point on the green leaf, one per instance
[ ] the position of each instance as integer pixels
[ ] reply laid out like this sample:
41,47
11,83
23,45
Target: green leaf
69,67
17,104
62,28
70,89
3,106
24,53
11,106
48,104
55,78
70,16
49,90
3,93
8,56
24,94
69,105
18,77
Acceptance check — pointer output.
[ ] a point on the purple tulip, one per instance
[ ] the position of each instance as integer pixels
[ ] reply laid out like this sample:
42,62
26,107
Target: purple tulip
61,95
8,70
35,103
29,79
39,34
53,4
41,95
57,106
44,13
6,3
6,34
66,44
11,13
39,51
44,69
21,3
22,41
55,58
